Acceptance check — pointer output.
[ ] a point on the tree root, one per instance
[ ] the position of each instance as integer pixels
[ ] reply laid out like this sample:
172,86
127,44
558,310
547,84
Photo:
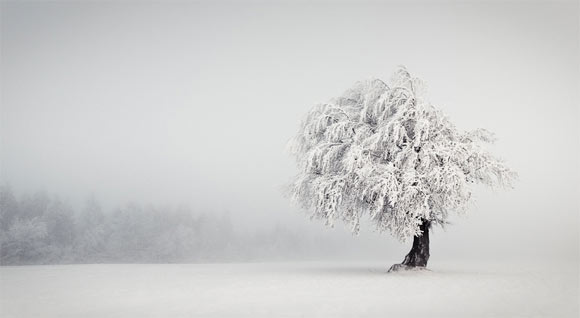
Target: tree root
406,268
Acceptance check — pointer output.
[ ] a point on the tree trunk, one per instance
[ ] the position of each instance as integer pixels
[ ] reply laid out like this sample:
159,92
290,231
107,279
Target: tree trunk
419,254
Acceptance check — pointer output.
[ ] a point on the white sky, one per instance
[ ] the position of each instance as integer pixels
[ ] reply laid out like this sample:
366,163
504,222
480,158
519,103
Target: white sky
194,103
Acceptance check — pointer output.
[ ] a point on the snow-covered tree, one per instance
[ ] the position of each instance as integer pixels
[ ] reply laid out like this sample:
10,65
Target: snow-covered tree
386,151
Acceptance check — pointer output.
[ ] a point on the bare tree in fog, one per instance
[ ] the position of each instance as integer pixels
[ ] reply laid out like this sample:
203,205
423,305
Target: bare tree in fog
385,150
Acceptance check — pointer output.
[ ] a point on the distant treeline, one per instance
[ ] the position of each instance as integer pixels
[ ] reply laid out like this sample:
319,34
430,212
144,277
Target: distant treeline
42,229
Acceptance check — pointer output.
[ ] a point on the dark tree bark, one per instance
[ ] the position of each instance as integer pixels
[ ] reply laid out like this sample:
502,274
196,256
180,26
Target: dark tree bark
419,254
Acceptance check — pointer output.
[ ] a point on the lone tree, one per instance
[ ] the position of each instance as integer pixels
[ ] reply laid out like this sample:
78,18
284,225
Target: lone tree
385,151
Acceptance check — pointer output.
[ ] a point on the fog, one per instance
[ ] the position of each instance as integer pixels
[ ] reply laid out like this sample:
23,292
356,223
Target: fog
192,104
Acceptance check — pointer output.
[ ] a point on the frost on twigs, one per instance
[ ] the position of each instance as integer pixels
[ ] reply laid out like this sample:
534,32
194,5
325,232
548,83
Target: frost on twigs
383,150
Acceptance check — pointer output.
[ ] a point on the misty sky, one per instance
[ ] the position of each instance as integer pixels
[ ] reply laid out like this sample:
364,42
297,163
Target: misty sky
174,103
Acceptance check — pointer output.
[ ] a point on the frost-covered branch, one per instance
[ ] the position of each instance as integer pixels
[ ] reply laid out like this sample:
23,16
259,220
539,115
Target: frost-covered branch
385,151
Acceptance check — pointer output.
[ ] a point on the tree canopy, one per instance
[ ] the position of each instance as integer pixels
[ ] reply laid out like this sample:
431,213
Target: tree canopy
384,150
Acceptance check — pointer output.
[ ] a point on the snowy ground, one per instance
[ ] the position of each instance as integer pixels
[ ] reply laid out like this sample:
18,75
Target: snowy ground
306,289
